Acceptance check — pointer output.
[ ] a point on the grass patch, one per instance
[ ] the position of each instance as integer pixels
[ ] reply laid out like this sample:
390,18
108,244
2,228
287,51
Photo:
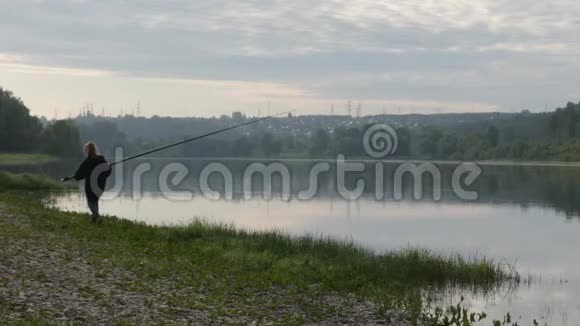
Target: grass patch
237,264
29,182
25,159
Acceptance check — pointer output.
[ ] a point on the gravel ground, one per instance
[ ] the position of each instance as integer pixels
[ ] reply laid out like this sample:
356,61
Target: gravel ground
44,278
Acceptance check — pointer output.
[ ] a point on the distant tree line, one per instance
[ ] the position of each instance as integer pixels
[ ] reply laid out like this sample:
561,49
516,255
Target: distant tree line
526,136
22,133
523,136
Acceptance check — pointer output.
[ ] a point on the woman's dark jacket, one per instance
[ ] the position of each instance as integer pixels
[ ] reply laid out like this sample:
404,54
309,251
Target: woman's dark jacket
93,164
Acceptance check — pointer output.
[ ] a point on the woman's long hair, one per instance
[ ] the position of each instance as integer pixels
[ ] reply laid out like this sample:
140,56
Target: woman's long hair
91,149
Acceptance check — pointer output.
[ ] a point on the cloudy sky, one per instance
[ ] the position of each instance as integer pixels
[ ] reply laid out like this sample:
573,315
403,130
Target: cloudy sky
180,58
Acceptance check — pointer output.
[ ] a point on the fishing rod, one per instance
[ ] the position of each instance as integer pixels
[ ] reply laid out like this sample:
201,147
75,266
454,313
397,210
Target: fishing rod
196,138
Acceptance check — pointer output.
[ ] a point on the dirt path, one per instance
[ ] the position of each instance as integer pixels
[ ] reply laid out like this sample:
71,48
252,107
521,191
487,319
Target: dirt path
45,278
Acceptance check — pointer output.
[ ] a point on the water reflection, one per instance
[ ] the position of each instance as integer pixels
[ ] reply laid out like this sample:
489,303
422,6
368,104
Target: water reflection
549,185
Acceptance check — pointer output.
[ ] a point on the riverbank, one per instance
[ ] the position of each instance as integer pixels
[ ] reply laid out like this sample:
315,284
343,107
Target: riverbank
30,182
62,269
25,158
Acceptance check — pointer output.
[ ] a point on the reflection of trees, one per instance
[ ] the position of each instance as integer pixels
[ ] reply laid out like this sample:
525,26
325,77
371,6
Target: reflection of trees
548,186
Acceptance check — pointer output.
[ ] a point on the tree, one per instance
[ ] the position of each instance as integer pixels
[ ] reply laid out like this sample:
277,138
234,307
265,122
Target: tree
404,139
509,134
429,141
61,138
492,136
19,131
519,149
271,147
242,147
347,141
563,122
448,145
105,133
320,142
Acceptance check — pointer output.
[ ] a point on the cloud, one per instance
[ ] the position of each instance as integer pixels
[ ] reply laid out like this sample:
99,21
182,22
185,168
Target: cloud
237,88
508,53
12,63
554,48
9,58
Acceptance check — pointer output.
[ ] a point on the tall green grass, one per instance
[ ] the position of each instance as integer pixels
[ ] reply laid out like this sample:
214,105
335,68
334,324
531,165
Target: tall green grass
335,263
29,182
25,158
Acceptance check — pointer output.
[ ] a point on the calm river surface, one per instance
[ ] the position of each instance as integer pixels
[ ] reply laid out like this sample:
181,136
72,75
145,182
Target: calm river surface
527,215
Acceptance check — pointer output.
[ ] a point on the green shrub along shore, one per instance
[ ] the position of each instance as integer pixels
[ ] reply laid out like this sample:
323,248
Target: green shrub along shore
236,268
29,182
25,158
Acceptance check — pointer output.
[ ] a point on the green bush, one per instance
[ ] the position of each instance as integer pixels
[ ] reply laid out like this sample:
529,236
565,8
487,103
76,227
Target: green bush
10,181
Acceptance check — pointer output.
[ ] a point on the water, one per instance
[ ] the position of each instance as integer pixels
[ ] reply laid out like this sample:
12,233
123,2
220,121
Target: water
526,215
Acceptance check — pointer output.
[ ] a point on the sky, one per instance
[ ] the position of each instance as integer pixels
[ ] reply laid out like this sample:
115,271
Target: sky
207,58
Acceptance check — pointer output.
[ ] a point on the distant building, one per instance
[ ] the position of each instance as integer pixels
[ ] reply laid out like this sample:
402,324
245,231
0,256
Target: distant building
237,115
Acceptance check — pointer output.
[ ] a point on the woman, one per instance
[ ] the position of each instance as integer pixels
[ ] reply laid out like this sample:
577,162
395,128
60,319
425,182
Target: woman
94,170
